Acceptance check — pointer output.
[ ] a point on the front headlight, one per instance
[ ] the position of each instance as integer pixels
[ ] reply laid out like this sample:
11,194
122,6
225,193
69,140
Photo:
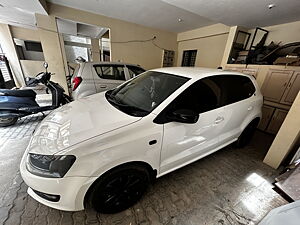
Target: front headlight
55,166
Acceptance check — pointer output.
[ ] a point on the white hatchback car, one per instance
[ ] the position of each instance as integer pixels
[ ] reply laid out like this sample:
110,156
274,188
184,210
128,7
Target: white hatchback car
105,149
94,77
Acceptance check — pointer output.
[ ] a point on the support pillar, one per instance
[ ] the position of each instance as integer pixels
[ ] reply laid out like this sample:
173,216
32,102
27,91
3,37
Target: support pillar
286,137
95,50
53,51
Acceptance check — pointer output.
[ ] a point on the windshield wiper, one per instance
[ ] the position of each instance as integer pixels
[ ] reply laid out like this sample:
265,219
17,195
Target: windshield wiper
132,107
112,99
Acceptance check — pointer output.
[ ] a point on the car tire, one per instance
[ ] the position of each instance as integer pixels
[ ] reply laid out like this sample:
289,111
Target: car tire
5,122
247,134
119,189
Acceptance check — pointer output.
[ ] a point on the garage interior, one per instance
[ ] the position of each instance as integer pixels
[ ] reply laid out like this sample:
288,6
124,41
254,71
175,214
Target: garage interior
231,186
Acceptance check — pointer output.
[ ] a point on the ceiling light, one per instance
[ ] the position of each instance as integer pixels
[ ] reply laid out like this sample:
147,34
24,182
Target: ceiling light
270,6
180,20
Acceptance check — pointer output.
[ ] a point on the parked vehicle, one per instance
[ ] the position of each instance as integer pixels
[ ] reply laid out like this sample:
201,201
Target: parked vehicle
94,77
18,103
105,149
288,214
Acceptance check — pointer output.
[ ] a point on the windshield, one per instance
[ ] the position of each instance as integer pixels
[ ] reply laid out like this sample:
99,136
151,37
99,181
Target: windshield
141,95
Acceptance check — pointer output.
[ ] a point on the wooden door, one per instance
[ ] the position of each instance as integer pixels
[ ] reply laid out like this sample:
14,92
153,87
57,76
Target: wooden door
267,112
292,89
275,84
277,120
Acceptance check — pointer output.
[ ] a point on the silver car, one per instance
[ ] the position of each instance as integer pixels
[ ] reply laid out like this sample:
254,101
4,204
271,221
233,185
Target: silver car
93,77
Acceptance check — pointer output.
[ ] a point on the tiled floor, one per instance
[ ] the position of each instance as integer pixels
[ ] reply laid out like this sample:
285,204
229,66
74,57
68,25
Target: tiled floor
231,186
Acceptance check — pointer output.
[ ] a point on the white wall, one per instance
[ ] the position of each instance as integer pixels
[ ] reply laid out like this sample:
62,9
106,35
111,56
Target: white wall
25,33
209,41
31,68
29,55
143,53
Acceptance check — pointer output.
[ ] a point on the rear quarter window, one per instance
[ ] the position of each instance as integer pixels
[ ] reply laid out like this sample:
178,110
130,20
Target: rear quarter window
234,88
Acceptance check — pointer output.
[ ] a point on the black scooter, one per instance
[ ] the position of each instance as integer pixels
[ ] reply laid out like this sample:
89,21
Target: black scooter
18,103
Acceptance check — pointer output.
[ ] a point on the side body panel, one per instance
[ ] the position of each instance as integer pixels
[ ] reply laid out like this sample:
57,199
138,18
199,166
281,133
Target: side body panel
237,116
185,142
134,146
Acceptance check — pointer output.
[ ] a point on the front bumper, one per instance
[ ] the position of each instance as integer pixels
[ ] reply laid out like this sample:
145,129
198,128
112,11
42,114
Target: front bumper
71,190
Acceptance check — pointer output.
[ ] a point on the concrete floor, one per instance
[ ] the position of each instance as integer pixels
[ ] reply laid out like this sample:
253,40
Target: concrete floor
231,186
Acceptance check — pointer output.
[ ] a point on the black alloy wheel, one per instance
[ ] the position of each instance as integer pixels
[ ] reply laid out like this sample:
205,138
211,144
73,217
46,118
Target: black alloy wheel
119,189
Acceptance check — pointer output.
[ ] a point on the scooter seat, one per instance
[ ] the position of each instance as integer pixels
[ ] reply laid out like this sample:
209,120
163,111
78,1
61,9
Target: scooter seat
18,93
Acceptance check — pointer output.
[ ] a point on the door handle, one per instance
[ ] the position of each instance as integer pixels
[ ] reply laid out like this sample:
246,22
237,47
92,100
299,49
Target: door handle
103,86
152,142
219,120
250,108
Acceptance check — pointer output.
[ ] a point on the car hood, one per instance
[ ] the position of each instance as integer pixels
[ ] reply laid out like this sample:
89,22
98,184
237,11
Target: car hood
76,122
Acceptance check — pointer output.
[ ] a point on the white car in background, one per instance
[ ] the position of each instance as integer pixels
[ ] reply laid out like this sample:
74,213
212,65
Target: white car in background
105,149
93,77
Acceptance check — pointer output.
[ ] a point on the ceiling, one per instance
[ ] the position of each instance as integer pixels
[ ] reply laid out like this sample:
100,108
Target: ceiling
20,12
151,13
164,14
247,13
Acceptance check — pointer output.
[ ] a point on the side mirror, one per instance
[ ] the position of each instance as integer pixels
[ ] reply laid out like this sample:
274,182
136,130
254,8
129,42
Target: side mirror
46,65
184,116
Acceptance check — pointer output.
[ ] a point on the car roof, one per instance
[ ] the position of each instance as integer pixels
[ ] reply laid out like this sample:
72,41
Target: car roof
112,63
196,72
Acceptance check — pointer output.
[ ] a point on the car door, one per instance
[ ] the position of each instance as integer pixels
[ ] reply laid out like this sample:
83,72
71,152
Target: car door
238,100
184,143
108,76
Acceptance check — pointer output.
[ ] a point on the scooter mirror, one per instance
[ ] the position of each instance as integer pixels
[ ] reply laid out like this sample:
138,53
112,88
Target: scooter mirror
45,65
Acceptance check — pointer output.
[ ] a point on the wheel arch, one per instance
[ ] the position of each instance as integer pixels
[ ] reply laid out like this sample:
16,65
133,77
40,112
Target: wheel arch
255,120
152,173
247,130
